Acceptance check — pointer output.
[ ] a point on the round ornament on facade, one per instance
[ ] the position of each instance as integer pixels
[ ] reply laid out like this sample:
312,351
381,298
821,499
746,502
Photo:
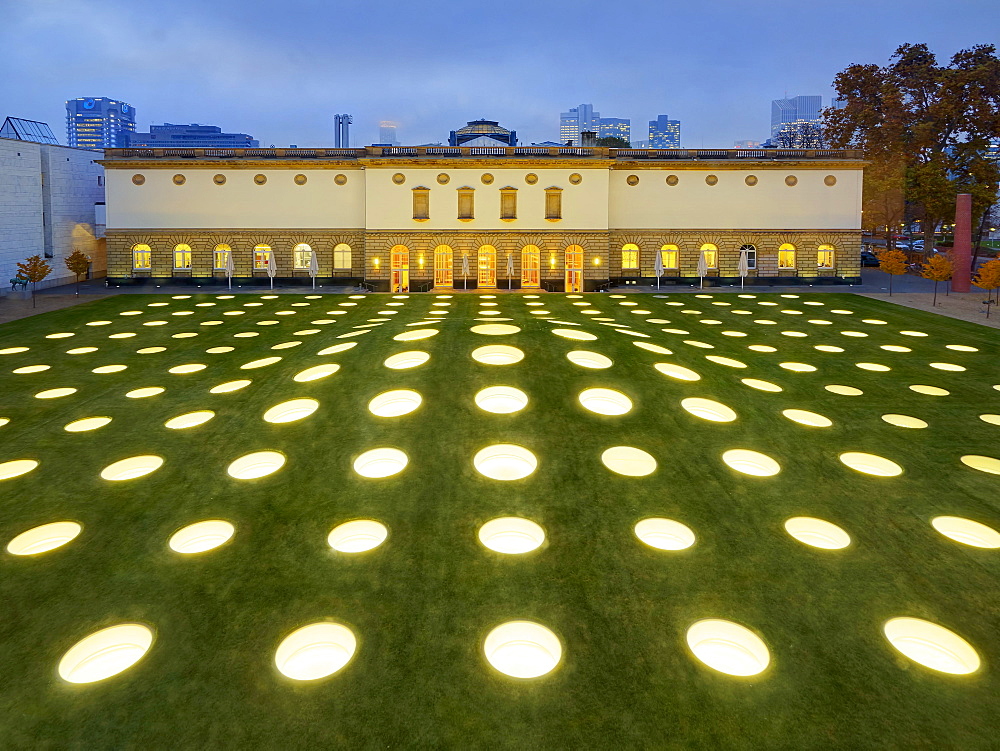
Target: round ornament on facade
791,180
531,178
340,179
711,179
399,178
487,178
830,181
179,179
632,179
260,179
672,180
576,178
219,179
300,179
138,179
443,178
751,180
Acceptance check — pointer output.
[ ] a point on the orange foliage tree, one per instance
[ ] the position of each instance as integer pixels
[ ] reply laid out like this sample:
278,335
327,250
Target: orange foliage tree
893,263
937,269
34,269
988,278
79,263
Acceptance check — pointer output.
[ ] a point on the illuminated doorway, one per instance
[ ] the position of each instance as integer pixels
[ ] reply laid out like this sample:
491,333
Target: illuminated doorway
531,264
399,260
443,261
487,266
574,268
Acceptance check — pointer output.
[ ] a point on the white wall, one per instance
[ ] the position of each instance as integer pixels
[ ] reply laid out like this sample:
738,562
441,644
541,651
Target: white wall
20,205
239,204
390,206
732,204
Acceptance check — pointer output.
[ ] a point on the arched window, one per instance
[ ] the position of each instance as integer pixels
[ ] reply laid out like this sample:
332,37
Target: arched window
182,256
342,256
142,257
574,268
444,258
220,256
531,261
261,255
751,251
711,254
786,256
487,266
824,256
668,254
399,267
630,256
301,256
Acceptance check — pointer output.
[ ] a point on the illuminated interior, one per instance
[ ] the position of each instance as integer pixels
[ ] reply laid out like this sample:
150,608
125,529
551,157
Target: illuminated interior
497,354
707,409
817,533
394,403
803,417
501,399
586,359
255,465
931,645
316,372
131,468
751,462
629,461
605,401
406,360
522,649
201,536
105,653
190,420
870,464
315,651
381,462
511,535
664,534
44,538
292,410
357,536
677,371
728,647
983,463
505,462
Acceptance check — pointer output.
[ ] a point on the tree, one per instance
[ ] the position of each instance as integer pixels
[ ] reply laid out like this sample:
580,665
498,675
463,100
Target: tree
34,269
937,120
893,263
613,142
938,269
988,278
79,263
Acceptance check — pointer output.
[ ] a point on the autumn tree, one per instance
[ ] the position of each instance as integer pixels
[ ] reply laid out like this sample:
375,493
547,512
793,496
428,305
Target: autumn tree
937,269
34,269
893,263
988,278
937,121
78,262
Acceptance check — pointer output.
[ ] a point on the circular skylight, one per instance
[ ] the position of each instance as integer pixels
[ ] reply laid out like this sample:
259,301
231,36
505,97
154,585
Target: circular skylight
44,538
728,647
605,401
505,461
357,536
522,649
512,535
629,461
817,533
664,534
931,645
394,403
256,464
201,536
105,653
131,468
405,360
380,462
501,399
315,651
751,462
292,410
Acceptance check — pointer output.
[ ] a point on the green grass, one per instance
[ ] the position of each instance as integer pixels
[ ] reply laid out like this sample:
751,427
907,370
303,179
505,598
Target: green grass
422,603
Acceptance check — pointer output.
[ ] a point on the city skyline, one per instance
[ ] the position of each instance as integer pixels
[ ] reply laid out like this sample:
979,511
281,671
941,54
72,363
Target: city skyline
277,76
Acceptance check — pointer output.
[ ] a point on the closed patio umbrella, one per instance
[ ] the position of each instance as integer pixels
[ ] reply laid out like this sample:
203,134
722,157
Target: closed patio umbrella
744,267
230,267
510,268
313,266
702,269
272,267
659,268
465,272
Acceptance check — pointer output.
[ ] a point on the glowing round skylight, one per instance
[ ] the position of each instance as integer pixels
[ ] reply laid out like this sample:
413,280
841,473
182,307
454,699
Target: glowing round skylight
871,464
315,372
653,348
290,411
409,336
497,354
145,392
904,421
587,359
522,649
201,536
193,367
131,468
261,363
380,462
728,647
337,348
44,538
677,371
967,531
105,653
629,461
582,336
228,386
315,651
256,464
605,401
664,534
54,393
501,399
873,366
190,420
929,390
751,462
357,536
512,535
727,361
931,645
802,417
756,383
817,533
983,463
991,419
394,403
843,390
505,461
797,367
30,369
707,409
86,423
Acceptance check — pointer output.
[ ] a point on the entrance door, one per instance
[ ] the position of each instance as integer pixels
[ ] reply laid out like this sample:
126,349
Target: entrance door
530,266
400,268
574,268
443,260
487,266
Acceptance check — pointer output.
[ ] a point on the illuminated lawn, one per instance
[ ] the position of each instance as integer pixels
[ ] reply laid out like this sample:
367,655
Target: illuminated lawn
722,429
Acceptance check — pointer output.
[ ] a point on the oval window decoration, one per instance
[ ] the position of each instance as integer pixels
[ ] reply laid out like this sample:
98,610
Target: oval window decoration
340,179
399,178
179,179
830,181
260,179
531,178
751,180
711,179
576,178
791,180
672,180
632,179
219,179
300,179
487,178
443,178
138,179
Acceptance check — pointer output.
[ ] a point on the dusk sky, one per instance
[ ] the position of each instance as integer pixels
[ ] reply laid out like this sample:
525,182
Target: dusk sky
280,71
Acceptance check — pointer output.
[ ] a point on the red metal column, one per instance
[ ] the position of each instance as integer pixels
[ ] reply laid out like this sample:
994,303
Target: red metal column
962,251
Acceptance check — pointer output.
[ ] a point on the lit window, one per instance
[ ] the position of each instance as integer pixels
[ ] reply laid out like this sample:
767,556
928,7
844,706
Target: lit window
530,266
220,256
668,254
342,256
182,256
711,253
630,256
824,257
786,256
302,255
443,265
142,257
261,254
751,251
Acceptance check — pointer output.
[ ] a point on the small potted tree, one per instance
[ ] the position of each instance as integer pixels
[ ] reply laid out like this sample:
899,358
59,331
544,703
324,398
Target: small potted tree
34,269
78,262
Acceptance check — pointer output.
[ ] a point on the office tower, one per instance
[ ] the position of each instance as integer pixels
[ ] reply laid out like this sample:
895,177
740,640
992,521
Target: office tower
794,110
664,133
578,119
615,127
387,133
342,131
98,123
193,136
746,144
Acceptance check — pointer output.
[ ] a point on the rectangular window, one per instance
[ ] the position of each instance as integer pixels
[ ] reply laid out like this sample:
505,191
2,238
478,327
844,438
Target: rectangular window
142,260
219,261
421,204
466,204
711,258
751,259
630,259
553,204
182,259
786,259
342,257
508,204
260,259
824,259
669,258
302,259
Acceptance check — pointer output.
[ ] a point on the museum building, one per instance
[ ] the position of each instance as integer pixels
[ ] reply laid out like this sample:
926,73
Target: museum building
421,218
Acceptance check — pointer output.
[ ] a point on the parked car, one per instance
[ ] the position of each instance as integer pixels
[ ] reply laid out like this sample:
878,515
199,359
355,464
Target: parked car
868,258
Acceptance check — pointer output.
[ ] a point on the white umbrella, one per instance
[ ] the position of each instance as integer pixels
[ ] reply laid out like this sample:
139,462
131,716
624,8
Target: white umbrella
272,267
313,266
465,271
744,267
702,269
659,267
230,267
510,268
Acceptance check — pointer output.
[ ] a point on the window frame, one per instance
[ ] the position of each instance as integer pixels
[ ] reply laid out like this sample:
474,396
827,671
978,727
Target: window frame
338,253
145,251
298,254
710,252
632,251
830,251
183,251
783,250
672,249
218,252
751,250
553,204
508,204
466,197
260,256
421,203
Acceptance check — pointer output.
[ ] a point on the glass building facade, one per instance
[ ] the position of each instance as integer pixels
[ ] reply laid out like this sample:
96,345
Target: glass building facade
98,123
664,133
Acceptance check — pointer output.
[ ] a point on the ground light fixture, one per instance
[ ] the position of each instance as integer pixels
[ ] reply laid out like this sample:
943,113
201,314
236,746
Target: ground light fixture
495,329
132,468
497,354
315,373
707,409
512,535
904,421
983,463
357,536
315,651
256,464
843,390
44,538
334,349
201,536
628,461
522,649
967,531
728,647
756,383
505,462
16,468
931,645
394,403
750,462
871,464
677,371
810,419
380,462
817,533
605,401
501,400
406,360
229,386
409,336
105,653
587,359
664,534
292,410
190,419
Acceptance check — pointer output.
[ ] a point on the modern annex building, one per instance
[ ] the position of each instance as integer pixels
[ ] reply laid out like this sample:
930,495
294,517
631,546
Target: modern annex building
417,218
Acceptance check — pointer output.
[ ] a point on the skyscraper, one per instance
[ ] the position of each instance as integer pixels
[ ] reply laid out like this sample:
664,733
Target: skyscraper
342,131
795,110
664,133
615,127
98,123
579,119
387,132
